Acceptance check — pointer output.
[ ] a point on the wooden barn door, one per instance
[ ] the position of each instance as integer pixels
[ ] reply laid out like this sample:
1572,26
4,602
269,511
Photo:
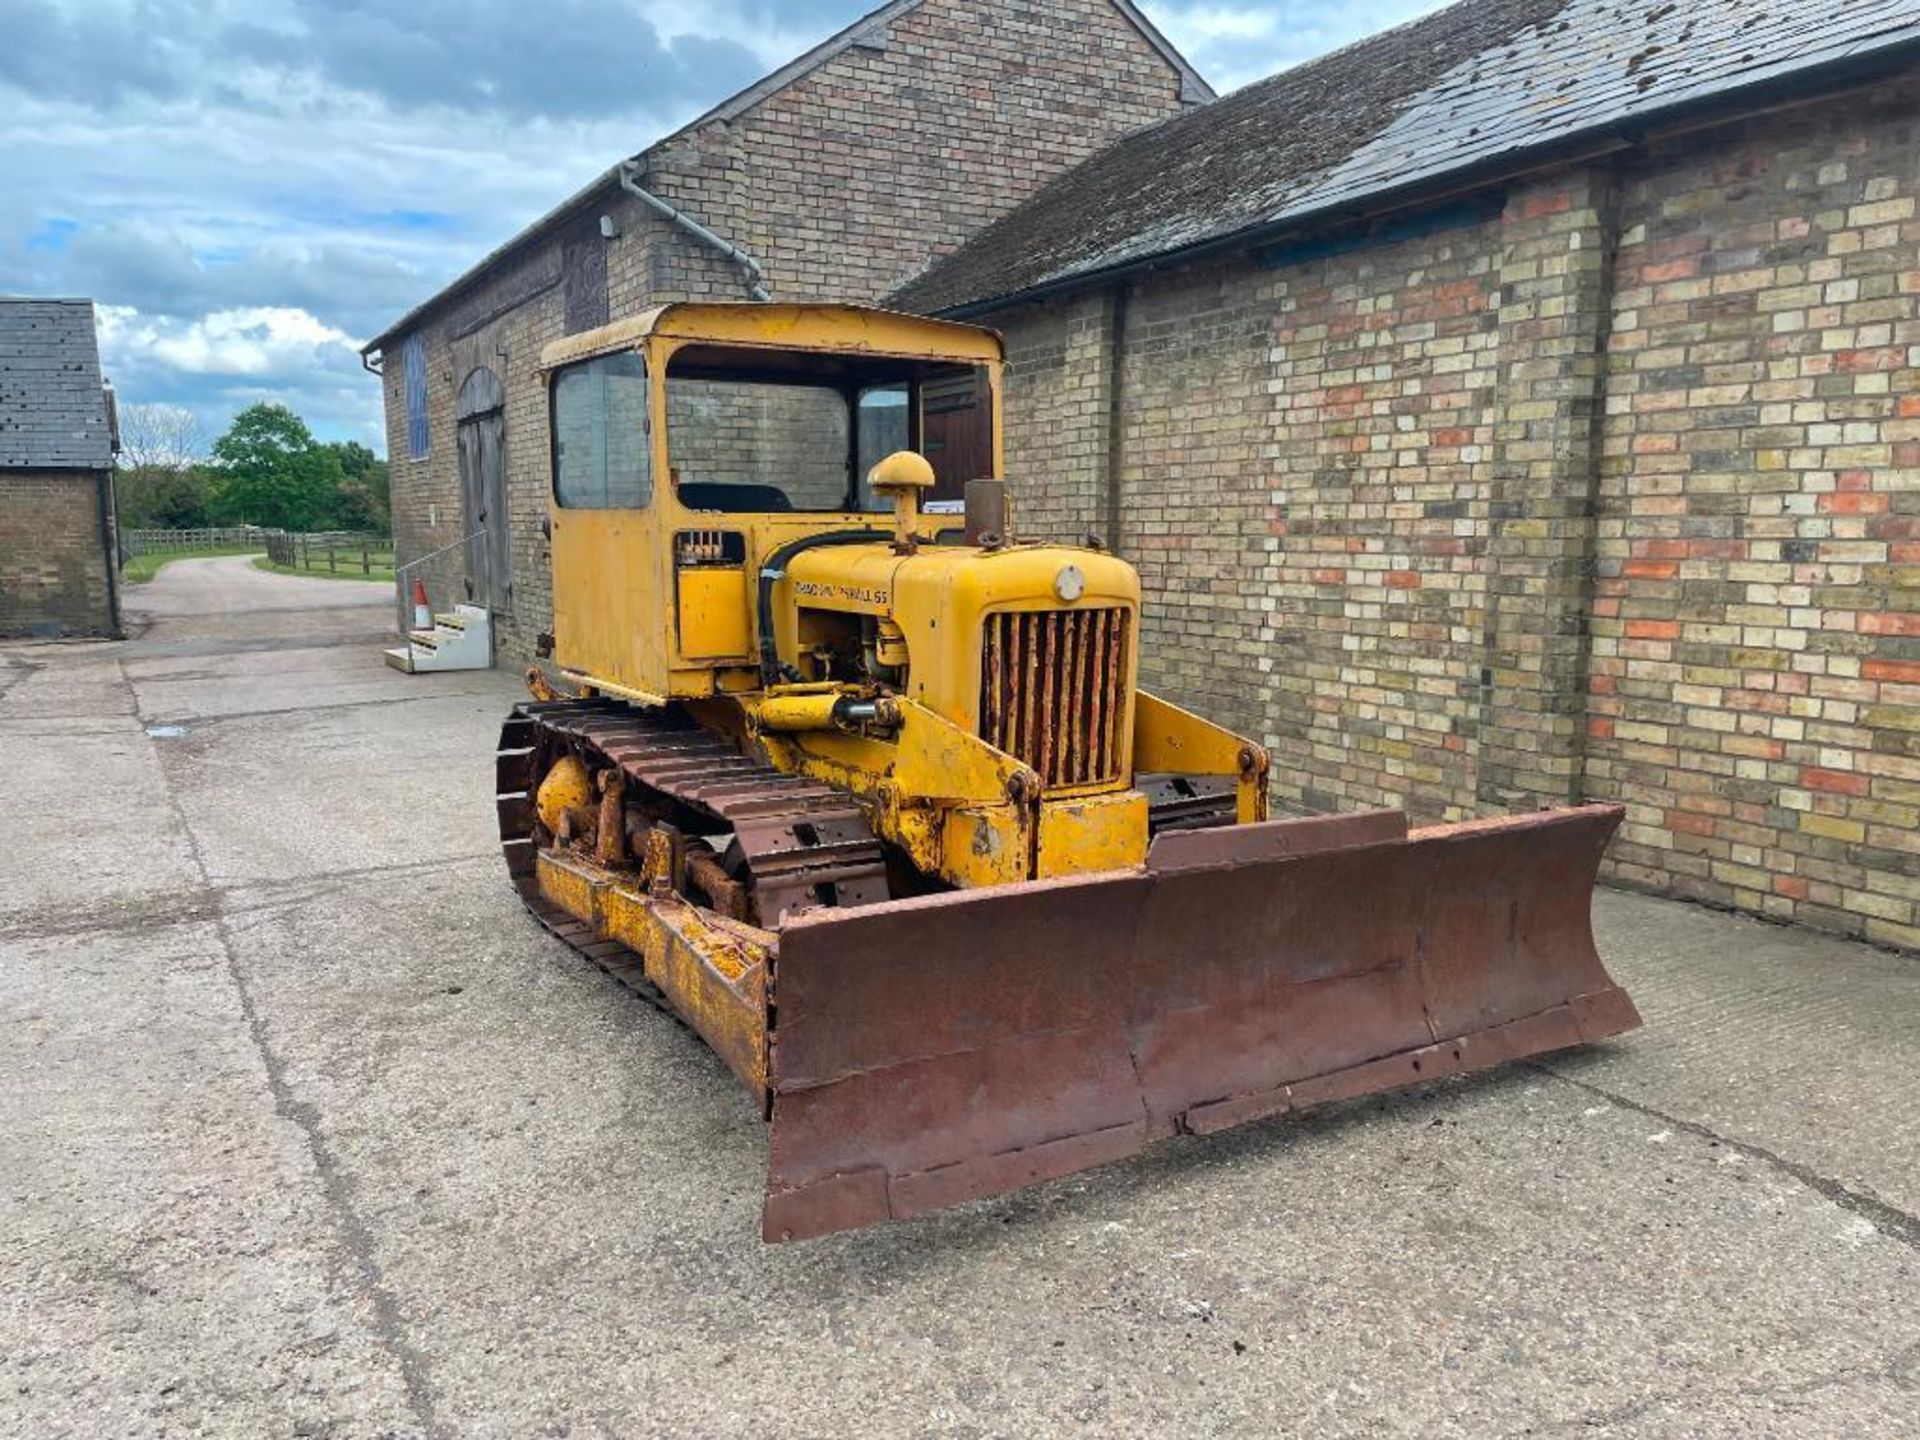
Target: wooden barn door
482,417
956,433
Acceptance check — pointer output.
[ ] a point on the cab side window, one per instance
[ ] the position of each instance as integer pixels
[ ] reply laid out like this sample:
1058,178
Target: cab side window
601,458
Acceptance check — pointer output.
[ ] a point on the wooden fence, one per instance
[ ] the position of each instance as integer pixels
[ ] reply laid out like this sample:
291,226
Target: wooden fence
338,552
334,552
140,542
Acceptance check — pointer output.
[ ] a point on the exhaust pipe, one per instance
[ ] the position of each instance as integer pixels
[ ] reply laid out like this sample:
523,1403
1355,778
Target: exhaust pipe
987,514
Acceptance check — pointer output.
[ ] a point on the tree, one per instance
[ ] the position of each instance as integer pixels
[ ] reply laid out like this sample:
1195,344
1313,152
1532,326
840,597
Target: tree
161,485
363,501
160,437
273,472
168,497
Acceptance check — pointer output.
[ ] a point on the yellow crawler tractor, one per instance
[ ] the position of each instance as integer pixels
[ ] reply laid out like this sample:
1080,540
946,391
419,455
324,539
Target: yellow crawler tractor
862,788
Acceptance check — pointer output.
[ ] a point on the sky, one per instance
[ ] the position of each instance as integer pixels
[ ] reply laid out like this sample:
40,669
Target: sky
250,189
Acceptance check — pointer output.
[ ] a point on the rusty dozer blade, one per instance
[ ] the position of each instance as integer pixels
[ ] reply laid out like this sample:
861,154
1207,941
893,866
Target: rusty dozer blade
935,1050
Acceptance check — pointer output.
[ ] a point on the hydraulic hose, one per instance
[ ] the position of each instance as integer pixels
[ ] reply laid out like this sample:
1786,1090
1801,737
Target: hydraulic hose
775,567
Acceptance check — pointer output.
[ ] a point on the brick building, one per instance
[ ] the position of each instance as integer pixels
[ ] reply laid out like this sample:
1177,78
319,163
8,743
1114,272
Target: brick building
58,574
1520,407
834,178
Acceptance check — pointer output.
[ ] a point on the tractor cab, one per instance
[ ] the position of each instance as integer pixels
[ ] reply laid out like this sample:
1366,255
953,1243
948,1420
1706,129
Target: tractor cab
693,441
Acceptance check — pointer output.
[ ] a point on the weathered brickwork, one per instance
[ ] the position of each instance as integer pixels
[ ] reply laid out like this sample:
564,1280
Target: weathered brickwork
794,440
1609,490
843,183
1384,365
428,517
1556,279
1305,451
1057,380
850,180
1194,508
1756,647
53,563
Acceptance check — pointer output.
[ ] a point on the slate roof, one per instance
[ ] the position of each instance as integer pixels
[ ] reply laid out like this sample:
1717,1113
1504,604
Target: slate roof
1477,87
53,411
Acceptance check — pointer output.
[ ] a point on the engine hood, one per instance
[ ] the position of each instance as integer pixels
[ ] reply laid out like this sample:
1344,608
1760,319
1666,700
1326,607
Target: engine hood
940,598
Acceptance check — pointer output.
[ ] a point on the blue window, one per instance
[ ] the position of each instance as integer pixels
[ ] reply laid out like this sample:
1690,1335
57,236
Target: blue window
413,360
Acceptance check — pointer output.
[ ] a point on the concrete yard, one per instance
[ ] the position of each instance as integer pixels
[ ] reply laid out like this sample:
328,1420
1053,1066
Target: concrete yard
308,1129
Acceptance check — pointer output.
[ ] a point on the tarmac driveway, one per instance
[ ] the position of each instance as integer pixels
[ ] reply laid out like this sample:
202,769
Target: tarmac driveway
306,1129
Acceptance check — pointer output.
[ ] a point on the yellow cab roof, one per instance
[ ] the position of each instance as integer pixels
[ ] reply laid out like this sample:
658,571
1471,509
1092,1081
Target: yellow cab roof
842,329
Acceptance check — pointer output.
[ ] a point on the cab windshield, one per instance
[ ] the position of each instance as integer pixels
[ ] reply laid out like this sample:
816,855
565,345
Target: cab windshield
748,439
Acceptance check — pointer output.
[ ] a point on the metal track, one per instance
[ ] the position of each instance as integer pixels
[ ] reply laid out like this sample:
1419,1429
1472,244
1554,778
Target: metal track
1187,802
803,843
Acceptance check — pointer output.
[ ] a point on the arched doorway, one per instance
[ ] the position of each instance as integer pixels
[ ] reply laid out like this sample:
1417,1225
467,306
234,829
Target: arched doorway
480,413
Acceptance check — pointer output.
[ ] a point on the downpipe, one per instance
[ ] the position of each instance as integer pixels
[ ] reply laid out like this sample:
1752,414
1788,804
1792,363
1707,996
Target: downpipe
749,267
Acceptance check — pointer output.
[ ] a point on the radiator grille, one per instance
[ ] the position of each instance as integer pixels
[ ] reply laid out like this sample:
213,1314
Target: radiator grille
1053,688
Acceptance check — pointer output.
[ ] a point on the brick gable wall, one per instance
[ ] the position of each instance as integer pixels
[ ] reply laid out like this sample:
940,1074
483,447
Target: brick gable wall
859,175
1612,493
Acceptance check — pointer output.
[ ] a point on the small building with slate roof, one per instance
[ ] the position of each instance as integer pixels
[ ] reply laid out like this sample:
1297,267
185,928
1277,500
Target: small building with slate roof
1519,407
58,575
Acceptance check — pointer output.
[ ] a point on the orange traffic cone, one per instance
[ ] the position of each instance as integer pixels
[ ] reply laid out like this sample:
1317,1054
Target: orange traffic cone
422,612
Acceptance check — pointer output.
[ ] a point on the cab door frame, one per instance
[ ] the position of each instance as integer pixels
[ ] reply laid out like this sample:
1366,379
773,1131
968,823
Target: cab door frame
609,586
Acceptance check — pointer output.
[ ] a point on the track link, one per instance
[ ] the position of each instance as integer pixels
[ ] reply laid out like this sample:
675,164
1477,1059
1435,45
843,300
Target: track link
802,843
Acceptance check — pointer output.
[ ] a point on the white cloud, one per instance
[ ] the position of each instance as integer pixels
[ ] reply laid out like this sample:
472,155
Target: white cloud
774,30
259,340
248,187
218,363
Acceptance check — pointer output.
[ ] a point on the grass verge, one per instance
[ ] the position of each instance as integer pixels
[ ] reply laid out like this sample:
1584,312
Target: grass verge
382,570
148,563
